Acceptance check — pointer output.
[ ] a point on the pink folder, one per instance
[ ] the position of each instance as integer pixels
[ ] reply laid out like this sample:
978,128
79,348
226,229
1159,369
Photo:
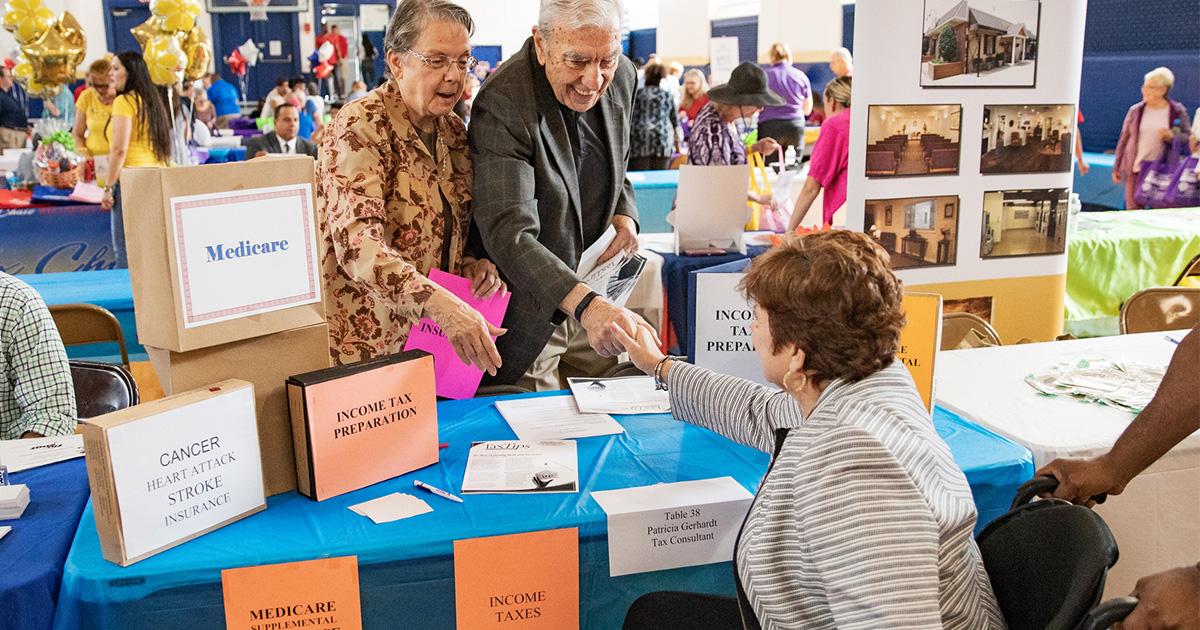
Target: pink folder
454,379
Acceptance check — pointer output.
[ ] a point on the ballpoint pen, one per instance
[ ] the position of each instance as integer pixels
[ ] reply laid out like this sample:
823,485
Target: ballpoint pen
441,493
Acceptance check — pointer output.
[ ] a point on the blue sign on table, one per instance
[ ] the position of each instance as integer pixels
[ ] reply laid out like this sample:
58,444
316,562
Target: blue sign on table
55,239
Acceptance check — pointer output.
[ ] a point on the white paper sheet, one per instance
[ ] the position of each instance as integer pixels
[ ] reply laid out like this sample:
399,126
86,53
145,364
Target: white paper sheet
4,529
20,455
629,394
591,255
13,501
515,467
554,418
391,507
711,206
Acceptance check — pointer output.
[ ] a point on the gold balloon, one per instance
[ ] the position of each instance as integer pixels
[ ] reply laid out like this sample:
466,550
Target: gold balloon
198,49
175,15
58,52
146,30
42,91
23,69
165,60
27,20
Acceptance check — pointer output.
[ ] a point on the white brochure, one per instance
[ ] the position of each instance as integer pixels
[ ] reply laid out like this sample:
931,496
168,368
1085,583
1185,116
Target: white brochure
20,455
626,394
554,418
515,467
672,525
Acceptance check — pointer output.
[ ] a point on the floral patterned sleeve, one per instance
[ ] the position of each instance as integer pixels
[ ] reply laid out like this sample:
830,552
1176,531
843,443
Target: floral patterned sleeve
352,174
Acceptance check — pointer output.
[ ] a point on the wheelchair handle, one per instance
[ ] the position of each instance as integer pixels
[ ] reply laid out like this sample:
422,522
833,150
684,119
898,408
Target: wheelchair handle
1106,614
1039,485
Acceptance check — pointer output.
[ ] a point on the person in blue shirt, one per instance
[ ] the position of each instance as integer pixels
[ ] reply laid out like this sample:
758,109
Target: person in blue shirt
14,124
224,98
310,113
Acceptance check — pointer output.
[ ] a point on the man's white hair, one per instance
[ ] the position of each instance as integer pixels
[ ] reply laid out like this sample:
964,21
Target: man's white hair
579,14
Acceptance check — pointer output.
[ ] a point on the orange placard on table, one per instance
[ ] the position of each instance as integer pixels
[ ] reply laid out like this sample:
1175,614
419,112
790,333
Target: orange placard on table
318,594
530,579
920,339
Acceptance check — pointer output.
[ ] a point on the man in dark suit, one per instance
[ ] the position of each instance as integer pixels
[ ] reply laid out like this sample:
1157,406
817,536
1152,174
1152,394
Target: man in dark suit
549,139
284,138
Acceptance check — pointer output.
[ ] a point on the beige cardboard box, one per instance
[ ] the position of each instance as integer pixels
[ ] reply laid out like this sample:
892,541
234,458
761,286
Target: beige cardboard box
267,362
170,470
210,271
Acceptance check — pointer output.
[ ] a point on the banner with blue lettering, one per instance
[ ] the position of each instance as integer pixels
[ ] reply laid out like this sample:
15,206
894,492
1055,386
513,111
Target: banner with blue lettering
55,239
719,318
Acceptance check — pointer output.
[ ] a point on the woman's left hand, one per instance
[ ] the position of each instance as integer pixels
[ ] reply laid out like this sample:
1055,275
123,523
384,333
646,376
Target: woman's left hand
485,279
106,201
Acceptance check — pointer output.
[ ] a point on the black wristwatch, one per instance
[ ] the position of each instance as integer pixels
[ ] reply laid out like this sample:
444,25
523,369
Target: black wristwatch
583,304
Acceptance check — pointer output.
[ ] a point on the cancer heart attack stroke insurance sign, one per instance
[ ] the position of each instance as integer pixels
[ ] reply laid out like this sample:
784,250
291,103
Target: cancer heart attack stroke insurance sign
245,252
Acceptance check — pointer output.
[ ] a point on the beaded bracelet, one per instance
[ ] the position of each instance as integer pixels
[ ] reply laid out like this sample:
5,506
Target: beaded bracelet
659,383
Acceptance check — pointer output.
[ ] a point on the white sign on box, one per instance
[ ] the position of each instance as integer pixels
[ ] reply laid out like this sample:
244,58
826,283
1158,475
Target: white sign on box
672,525
723,317
246,252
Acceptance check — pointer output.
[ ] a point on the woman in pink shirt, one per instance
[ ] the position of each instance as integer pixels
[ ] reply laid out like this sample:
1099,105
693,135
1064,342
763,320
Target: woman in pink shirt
830,156
1150,127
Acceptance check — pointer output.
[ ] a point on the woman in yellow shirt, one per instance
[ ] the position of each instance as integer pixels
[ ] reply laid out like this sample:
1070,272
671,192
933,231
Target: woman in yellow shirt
139,134
92,111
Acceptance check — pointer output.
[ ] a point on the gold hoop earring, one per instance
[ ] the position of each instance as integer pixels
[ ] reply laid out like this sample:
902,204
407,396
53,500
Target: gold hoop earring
803,382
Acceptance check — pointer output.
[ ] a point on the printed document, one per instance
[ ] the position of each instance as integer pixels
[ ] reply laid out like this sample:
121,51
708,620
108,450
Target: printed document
554,418
628,394
20,455
516,467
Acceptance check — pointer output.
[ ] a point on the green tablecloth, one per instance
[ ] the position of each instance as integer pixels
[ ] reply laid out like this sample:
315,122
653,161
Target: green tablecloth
1113,255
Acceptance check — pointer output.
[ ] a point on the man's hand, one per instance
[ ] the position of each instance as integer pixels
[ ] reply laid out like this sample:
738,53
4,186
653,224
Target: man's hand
485,279
260,154
1080,479
626,239
1166,601
597,320
469,333
643,349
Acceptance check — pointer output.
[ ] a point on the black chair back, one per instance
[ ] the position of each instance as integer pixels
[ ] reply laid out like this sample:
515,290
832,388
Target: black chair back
1047,560
102,388
500,390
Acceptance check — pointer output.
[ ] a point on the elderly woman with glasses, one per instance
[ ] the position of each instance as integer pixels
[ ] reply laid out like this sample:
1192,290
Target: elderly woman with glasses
394,198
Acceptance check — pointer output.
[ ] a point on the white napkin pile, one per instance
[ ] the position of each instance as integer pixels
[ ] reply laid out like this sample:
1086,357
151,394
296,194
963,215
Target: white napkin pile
13,500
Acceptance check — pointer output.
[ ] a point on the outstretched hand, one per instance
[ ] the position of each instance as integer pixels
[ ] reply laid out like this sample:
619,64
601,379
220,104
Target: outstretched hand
642,348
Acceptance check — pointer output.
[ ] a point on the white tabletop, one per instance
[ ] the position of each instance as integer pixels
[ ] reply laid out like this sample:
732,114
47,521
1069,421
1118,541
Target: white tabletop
987,386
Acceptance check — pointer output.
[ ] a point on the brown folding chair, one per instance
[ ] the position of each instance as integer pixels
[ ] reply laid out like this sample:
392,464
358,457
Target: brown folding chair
82,324
956,327
1191,269
1161,308
102,388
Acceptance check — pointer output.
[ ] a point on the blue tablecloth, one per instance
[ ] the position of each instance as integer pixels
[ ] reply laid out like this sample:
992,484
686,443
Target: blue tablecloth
108,288
55,239
654,192
406,567
218,155
32,554
994,466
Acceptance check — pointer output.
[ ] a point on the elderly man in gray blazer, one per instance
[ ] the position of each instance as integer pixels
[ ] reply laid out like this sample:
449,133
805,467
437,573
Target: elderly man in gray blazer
549,139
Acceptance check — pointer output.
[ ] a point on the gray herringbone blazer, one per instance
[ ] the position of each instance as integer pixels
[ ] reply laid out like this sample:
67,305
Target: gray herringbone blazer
526,195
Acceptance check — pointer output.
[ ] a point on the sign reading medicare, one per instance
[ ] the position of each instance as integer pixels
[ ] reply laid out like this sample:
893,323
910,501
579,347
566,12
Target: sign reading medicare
245,252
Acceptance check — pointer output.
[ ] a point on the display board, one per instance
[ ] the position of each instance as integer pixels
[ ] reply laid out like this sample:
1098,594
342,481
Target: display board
962,129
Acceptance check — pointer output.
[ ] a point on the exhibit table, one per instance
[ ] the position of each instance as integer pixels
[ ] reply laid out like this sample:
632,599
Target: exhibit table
110,289
1156,521
33,553
1113,255
654,193
1097,187
220,155
406,567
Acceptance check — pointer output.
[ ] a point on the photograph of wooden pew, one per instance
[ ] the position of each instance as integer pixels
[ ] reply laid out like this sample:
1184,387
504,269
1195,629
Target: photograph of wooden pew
913,140
1024,222
980,43
1027,139
915,231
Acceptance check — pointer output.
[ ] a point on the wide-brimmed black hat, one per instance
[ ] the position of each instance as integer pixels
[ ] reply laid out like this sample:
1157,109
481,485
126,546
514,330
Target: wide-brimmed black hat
747,86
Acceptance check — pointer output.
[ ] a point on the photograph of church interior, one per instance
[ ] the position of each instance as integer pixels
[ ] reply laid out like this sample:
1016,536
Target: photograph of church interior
969,44
915,231
1024,222
907,140
1027,139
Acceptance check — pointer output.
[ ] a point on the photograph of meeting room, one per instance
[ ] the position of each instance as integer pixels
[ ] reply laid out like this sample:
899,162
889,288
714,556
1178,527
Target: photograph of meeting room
915,231
913,140
1027,139
980,43
1024,222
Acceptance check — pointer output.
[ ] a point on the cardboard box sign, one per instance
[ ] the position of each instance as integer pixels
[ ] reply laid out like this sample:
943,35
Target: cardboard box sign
358,424
214,257
266,362
170,470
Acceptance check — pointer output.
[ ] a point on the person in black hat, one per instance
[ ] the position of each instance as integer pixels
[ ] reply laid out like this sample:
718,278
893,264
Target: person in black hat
716,133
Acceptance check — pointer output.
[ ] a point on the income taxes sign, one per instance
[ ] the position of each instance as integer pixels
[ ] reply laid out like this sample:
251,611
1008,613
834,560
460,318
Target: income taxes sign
245,252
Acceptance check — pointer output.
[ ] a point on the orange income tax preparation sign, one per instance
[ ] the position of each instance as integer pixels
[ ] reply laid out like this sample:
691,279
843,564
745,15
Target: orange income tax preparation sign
528,581
245,252
315,594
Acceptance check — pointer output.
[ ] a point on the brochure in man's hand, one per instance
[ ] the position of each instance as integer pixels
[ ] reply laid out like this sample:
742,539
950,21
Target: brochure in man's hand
614,278
516,467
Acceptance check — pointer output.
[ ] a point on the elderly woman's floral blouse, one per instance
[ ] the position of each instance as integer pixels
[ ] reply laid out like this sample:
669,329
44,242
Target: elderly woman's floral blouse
384,226
713,142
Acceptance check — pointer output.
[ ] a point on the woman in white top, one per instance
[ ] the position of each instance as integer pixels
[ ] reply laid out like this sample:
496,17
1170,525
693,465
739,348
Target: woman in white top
1150,127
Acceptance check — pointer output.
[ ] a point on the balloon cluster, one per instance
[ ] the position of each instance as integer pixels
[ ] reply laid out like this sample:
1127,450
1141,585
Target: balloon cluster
321,62
244,56
51,49
174,46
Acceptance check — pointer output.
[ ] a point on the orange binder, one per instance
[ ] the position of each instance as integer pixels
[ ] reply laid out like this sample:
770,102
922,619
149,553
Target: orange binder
359,424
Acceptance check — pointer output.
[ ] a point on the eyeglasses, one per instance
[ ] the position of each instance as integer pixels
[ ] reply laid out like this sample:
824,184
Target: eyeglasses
441,62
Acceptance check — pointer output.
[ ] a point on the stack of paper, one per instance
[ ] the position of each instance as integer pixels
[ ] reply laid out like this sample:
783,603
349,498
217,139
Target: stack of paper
554,418
391,507
1115,383
13,500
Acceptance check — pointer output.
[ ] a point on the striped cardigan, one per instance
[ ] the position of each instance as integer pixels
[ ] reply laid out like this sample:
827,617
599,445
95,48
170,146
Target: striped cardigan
864,521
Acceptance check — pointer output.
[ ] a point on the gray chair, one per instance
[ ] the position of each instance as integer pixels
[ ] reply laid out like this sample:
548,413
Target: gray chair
956,327
1161,308
82,324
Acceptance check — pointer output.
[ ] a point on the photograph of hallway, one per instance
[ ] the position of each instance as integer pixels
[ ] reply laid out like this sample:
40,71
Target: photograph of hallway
1027,139
1024,223
908,140
915,231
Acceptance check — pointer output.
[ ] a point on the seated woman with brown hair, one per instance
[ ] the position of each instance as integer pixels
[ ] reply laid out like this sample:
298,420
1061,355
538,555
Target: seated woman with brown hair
863,519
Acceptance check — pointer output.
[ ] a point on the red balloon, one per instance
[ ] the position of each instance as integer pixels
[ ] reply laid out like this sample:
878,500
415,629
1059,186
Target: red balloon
237,63
323,69
9,63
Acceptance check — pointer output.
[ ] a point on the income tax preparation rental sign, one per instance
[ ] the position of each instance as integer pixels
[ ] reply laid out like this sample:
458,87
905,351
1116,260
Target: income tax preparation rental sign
246,252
